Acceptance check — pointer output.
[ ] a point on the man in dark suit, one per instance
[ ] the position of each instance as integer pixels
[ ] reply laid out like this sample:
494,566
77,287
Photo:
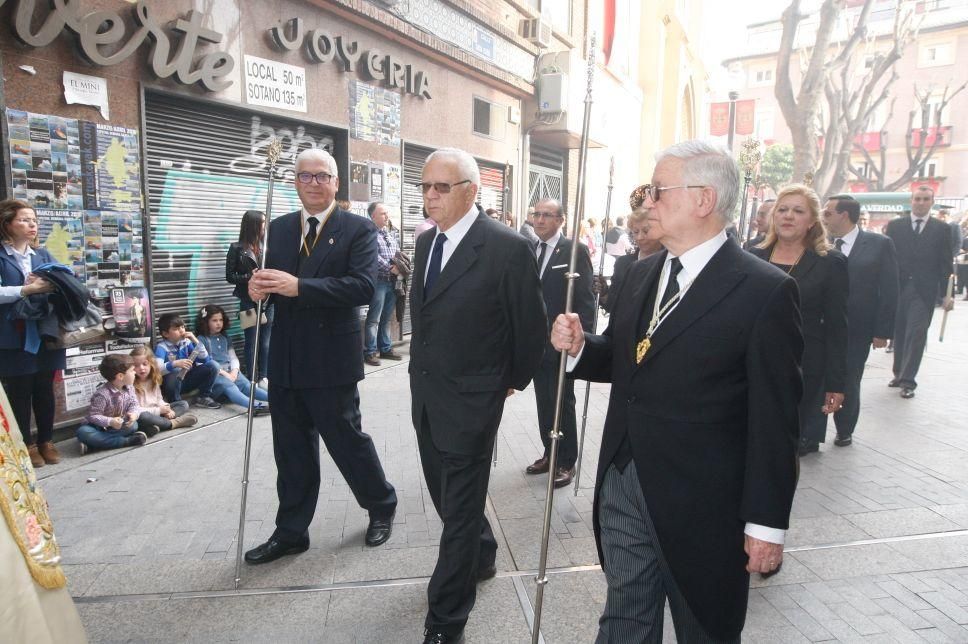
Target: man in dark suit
871,300
553,252
924,263
762,222
478,330
698,463
320,266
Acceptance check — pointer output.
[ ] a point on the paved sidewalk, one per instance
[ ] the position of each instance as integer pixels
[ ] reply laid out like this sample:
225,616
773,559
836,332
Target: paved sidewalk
878,549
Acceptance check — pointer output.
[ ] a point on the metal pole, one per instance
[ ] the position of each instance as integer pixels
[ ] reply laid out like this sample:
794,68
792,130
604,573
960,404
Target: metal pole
273,152
754,207
542,579
741,233
732,118
601,269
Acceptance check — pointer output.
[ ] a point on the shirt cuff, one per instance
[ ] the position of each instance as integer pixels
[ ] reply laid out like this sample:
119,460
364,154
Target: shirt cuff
763,533
571,363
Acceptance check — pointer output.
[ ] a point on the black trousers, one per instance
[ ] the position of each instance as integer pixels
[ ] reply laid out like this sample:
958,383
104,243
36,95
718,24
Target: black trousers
813,422
33,391
545,392
846,419
299,418
458,486
910,334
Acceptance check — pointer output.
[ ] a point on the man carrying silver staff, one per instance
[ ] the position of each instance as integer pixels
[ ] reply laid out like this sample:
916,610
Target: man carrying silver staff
698,462
320,265
478,334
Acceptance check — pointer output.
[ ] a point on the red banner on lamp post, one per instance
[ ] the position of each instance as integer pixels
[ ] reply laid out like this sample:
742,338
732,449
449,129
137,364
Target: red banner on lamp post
719,119
745,117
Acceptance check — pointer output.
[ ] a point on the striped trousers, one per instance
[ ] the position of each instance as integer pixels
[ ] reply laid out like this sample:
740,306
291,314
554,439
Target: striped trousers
639,580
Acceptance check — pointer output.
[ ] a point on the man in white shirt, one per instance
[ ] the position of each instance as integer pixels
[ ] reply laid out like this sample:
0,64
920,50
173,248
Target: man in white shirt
698,462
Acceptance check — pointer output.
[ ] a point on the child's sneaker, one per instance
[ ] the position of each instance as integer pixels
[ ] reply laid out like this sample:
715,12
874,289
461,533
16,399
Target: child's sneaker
137,439
188,420
150,430
261,410
84,448
207,402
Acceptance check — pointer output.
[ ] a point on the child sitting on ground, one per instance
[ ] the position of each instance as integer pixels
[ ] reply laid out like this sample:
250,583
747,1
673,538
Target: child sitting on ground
184,363
112,420
211,325
147,387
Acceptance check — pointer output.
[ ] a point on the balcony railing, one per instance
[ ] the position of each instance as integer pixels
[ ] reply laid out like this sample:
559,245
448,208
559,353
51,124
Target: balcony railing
941,134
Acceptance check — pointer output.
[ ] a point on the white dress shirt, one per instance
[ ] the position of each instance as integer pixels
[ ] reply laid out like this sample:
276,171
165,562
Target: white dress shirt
321,216
11,293
552,244
693,261
849,240
923,220
454,236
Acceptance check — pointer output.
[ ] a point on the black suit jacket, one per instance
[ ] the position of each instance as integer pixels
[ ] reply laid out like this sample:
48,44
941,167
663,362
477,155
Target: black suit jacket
479,333
925,259
824,285
554,287
711,417
872,302
316,336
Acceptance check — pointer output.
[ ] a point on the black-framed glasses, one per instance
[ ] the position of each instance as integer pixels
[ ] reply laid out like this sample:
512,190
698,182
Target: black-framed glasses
322,178
546,215
653,193
441,187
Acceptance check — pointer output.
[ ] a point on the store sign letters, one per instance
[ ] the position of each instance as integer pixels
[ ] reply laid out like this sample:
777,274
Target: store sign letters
323,47
101,38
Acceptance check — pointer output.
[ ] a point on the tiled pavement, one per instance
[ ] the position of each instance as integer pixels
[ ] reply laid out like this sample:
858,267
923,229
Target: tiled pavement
877,552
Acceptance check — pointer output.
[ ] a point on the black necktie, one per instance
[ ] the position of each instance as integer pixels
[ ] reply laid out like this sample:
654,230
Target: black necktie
544,247
839,243
917,226
436,257
311,235
672,288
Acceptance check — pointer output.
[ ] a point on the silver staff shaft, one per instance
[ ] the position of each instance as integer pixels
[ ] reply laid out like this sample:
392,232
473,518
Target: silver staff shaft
542,577
275,148
601,270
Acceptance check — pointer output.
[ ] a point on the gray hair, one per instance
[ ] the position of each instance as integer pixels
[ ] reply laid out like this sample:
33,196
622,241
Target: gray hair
466,164
317,154
708,164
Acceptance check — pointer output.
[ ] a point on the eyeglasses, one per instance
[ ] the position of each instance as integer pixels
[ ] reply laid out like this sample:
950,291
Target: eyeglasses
546,215
441,188
322,178
652,192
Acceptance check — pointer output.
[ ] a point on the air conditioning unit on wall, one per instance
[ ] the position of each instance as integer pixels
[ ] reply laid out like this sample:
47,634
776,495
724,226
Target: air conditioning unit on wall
536,31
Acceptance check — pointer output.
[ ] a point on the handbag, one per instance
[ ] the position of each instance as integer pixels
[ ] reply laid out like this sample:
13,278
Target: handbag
90,327
247,318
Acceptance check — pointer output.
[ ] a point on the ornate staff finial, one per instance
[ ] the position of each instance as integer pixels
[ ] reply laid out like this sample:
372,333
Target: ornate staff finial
273,152
750,155
808,179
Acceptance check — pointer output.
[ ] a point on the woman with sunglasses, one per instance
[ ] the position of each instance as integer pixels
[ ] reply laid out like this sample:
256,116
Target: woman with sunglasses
796,242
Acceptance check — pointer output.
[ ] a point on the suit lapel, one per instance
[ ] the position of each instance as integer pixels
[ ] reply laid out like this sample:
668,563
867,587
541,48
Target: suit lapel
329,236
421,252
638,296
463,257
286,233
717,279
556,254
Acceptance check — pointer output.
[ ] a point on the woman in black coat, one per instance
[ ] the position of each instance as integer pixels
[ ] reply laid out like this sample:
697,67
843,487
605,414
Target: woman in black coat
242,258
796,243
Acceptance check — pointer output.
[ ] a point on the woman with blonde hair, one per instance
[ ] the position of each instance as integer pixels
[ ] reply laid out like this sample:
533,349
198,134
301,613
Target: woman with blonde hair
796,243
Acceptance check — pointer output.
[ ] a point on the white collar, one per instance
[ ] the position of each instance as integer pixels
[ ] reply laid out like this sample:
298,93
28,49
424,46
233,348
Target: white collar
552,242
13,251
456,232
851,237
696,258
321,216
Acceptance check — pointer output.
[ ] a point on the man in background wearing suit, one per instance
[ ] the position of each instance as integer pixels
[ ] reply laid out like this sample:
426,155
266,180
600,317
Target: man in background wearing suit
871,300
553,251
478,334
762,220
320,266
698,463
924,258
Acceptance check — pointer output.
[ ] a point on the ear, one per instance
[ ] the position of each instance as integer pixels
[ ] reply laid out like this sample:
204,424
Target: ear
707,201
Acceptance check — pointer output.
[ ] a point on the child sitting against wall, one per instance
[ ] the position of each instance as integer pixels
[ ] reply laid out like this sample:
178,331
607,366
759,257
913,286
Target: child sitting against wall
211,325
147,387
184,363
112,420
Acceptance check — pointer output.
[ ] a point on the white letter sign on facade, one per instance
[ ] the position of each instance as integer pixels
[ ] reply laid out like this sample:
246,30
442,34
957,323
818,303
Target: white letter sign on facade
272,84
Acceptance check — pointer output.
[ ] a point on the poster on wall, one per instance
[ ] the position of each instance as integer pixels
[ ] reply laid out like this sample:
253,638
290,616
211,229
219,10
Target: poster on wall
392,184
376,182
359,182
374,114
132,313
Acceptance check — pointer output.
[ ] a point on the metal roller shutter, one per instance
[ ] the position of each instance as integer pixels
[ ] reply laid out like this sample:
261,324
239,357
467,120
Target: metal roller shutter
205,166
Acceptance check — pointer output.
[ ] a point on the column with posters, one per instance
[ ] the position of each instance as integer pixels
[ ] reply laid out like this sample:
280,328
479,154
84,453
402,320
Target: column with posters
83,179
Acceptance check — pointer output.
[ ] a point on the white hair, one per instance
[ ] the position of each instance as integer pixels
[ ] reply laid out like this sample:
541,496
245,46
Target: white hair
466,164
317,154
708,164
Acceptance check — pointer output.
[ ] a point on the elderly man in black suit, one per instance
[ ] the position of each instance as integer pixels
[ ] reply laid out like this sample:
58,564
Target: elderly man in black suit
698,463
320,266
553,251
478,334
871,300
924,259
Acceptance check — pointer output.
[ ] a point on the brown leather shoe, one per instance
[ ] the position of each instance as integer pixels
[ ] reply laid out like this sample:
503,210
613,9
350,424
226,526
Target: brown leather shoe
49,452
35,458
563,476
540,466
371,360
188,420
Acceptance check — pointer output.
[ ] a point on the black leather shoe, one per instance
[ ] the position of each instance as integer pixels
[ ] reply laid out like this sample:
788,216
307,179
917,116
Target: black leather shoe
907,392
563,476
540,466
437,637
843,441
272,550
894,383
809,448
379,531
486,572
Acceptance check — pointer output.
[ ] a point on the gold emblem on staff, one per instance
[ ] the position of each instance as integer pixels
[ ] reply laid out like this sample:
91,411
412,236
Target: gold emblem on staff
641,349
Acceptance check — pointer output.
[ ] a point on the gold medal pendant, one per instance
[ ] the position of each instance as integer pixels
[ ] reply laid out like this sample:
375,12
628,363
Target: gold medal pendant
641,349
